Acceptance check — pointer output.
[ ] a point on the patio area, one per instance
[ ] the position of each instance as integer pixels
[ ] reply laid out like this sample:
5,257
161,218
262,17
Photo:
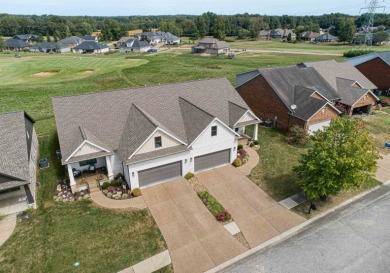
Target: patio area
91,178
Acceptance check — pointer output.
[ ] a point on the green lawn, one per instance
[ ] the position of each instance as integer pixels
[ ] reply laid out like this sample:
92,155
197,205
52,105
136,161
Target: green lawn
277,158
276,44
379,126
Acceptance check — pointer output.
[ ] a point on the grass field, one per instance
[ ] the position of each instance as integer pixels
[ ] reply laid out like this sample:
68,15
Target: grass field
278,45
379,126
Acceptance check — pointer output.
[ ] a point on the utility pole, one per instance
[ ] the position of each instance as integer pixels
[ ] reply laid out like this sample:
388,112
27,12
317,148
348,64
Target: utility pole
373,5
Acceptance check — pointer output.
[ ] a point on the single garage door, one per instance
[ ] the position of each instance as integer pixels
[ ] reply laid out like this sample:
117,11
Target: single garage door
160,173
209,161
318,126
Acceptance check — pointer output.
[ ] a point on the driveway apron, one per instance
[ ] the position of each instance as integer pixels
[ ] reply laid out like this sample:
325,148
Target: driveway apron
195,240
258,216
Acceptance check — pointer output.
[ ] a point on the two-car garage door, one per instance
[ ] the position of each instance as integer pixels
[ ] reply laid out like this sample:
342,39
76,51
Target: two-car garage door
160,173
212,160
318,126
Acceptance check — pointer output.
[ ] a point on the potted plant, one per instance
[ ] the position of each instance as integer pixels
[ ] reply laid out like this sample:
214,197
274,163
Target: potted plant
83,181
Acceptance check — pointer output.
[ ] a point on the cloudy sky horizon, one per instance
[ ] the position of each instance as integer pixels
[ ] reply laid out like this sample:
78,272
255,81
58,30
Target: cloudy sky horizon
174,7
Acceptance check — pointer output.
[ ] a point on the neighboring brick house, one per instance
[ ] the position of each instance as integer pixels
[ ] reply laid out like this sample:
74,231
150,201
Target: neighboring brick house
376,67
152,134
272,94
306,94
352,86
18,162
211,46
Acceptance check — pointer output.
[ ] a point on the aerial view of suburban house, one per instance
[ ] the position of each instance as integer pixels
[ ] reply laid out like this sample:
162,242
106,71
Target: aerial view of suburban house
134,45
27,38
306,94
376,67
50,47
309,36
264,34
71,41
90,38
152,134
123,40
211,46
326,38
90,47
18,162
15,45
282,33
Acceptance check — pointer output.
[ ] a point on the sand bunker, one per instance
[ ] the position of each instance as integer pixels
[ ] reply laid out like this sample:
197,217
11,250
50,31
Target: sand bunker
87,72
44,74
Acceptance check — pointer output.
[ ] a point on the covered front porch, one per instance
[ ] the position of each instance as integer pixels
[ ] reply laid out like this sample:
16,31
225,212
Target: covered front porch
247,131
89,172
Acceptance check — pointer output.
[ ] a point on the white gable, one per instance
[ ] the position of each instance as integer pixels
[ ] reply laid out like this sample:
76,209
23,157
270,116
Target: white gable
167,142
247,117
86,148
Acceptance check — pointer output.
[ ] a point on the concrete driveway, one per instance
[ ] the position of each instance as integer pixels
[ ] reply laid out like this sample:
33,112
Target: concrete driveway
383,173
195,240
259,217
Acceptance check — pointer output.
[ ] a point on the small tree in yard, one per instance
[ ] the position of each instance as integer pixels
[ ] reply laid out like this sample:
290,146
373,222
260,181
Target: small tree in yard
342,156
297,136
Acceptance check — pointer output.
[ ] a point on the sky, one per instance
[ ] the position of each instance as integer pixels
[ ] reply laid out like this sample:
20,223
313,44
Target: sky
173,7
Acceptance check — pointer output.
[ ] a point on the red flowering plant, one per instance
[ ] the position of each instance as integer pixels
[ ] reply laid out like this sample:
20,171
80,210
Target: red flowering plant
243,155
111,188
224,216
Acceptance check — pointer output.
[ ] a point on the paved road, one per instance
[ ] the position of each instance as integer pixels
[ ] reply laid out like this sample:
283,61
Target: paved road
357,239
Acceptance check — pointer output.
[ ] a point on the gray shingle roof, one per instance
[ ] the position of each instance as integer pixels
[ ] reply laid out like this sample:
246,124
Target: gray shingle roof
26,36
215,42
123,119
14,160
235,113
15,43
88,38
326,36
136,43
90,45
350,95
71,40
384,55
158,153
49,45
307,105
330,70
244,77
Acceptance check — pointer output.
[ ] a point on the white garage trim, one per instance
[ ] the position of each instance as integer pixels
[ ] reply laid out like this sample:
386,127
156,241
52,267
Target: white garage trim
318,126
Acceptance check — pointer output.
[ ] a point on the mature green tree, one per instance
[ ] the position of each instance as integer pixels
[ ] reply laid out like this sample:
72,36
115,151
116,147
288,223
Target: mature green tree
289,37
379,37
84,28
346,30
341,157
48,38
39,39
219,29
1,44
255,27
171,26
111,30
201,26
243,33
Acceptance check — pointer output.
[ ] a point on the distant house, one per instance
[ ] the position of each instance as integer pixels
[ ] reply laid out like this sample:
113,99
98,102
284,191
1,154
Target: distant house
211,46
89,38
50,47
27,38
264,34
376,67
71,41
91,47
134,45
155,37
282,33
309,36
18,162
123,41
326,38
16,45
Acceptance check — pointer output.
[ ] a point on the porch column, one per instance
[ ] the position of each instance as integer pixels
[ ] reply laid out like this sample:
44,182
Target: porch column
255,131
71,177
109,167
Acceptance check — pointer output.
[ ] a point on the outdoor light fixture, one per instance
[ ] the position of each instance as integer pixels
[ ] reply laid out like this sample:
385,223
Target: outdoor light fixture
132,173
185,161
191,159
234,148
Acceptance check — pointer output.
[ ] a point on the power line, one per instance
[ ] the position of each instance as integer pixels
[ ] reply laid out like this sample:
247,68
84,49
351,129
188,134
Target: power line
369,23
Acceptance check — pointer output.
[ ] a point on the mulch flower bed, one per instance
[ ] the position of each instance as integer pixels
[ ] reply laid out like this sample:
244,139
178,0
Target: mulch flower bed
63,193
118,189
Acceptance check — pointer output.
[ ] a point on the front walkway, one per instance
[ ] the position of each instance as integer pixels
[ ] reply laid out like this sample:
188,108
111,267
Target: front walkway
383,173
252,162
258,216
7,226
196,241
105,202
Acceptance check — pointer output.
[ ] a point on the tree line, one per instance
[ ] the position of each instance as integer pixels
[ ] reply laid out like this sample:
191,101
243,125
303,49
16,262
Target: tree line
242,25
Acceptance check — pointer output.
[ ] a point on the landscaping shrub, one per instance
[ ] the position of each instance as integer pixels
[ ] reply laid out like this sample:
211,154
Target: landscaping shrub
7,52
105,185
357,52
189,175
212,205
125,196
136,192
256,142
26,49
109,195
297,135
252,144
113,183
224,216
117,196
239,147
119,175
237,162
100,177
